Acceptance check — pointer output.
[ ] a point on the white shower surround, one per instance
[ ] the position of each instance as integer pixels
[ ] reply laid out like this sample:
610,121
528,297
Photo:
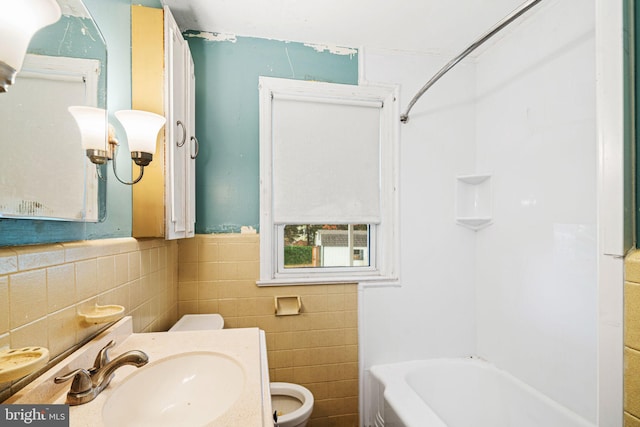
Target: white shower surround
522,293
536,267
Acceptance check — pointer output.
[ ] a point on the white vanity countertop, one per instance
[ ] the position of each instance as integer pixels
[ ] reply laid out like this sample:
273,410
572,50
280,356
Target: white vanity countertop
247,346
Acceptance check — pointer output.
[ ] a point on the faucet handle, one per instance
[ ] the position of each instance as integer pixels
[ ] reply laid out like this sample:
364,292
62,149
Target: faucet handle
81,381
102,358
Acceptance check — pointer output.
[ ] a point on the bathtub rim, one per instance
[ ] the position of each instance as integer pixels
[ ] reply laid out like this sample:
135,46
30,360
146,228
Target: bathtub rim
404,400
401,396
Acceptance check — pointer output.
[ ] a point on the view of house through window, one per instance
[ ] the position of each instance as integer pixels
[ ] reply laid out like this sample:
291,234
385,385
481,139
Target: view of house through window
326,245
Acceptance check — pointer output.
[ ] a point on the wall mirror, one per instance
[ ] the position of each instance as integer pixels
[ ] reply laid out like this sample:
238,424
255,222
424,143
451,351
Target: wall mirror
44,173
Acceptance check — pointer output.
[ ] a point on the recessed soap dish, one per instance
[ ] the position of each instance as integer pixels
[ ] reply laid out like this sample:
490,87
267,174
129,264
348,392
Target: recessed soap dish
103,314
16,363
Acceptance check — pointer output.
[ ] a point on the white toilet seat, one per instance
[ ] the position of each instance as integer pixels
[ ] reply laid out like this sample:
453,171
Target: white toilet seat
298,392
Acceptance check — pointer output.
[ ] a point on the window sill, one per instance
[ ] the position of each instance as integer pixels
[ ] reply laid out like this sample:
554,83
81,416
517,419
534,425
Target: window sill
334,280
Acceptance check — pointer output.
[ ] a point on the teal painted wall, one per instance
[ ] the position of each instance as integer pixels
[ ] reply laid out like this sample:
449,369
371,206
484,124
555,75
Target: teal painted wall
149,3
114,19
227,125
227,71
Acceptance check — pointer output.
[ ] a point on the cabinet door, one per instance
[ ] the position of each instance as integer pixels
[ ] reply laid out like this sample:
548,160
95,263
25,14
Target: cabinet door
193,148
177,147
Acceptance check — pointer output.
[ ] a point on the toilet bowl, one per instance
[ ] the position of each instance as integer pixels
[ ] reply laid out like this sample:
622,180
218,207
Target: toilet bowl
198,322
292,404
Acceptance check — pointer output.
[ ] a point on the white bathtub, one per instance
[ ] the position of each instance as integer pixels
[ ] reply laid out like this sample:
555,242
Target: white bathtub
460,393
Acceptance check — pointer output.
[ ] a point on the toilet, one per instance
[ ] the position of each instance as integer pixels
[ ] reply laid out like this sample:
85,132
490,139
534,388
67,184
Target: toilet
292,404
198,322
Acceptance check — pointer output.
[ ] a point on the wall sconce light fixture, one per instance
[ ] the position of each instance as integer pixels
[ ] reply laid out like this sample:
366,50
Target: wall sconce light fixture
141,127
92,123
17,27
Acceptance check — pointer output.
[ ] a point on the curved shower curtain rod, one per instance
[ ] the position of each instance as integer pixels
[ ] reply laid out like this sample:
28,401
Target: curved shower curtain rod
404,118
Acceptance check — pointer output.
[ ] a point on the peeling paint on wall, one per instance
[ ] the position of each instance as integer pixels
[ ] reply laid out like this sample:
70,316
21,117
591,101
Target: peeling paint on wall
212,37
336,50
233,38
227,113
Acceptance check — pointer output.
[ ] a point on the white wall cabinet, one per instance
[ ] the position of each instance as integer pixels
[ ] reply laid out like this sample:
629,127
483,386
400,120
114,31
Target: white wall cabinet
163,81
181,144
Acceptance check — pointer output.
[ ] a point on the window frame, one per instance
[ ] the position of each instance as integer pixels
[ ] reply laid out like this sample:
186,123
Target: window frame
383,237
279,262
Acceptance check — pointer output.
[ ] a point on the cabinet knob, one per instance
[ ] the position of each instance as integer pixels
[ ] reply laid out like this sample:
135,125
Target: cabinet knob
184,134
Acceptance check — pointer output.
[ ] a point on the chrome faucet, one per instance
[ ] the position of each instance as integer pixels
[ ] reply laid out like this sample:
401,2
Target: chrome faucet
88,383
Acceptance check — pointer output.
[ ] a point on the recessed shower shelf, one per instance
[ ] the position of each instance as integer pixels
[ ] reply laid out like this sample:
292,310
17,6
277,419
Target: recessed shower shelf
473,201
474,223
473,179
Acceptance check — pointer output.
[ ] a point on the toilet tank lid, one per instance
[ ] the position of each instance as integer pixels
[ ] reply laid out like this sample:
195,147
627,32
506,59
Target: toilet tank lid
198,322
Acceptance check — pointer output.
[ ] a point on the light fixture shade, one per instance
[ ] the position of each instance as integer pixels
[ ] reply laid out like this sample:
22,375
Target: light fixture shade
19,21
92,123
142,129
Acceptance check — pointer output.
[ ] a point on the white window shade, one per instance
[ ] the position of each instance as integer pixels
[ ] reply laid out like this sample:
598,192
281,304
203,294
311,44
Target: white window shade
328,155
325,160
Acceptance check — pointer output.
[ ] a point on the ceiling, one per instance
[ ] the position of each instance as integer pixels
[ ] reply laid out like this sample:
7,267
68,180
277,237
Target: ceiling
409,25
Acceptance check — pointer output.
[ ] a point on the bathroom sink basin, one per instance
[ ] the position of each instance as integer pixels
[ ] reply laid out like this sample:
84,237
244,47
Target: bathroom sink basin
187,389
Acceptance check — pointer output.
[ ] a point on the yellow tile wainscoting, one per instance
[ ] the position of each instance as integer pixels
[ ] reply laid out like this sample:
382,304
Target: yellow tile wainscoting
632,340
317,349
44,287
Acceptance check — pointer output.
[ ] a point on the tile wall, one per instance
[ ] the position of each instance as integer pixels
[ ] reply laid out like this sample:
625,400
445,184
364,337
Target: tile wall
317,349
632,340
44,287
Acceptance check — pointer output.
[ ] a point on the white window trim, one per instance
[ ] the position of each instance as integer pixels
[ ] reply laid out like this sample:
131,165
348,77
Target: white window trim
326,271
384,251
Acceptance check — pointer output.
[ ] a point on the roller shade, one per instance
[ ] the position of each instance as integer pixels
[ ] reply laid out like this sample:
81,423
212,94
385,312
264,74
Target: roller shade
326,160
